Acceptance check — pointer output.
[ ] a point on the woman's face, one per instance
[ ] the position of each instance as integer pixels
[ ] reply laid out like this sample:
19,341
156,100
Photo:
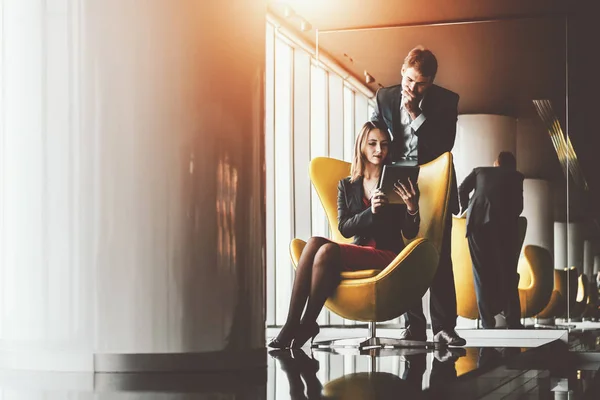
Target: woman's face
376,147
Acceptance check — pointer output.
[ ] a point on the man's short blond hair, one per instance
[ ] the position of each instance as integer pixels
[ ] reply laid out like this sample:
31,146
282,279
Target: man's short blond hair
423,61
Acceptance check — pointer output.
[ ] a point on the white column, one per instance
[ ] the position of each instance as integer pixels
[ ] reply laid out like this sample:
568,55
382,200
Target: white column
132,187
574,257
479,140
538,209
588,258
576,232
560,245
596,264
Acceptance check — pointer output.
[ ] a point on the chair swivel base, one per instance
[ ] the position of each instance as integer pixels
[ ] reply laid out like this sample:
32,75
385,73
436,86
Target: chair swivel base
378,342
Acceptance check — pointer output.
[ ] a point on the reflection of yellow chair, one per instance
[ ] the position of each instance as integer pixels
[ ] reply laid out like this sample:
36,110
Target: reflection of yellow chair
380,295
557,306
466,300
467,363
370,385
536,271
591,308
581,301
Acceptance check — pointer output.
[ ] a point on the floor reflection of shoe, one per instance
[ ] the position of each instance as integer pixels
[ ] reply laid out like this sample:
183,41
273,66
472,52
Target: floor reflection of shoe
449,337
417,334
289,365
305,363
281,354
445,355
308,367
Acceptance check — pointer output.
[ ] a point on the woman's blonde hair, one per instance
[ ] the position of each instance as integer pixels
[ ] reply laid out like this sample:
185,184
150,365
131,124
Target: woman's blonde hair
357,169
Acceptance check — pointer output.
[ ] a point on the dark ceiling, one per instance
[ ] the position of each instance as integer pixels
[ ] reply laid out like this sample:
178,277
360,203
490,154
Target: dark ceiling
506,56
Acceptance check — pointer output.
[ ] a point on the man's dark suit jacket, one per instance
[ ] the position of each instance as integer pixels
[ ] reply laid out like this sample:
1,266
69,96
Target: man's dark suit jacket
436,135
498,196
386,227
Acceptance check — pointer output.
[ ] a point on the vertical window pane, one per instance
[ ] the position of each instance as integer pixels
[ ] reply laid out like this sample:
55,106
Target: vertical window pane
360,111
283,176
370,110
318,141
270,170
302,186
336,116
349,130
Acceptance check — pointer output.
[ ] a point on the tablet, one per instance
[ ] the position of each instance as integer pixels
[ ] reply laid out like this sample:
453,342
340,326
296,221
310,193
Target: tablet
394,173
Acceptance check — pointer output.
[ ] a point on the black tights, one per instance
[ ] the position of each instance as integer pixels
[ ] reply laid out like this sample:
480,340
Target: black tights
317,277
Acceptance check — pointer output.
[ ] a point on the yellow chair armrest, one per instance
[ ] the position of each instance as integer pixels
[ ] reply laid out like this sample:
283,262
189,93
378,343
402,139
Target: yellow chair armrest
365,273
296,247
406,278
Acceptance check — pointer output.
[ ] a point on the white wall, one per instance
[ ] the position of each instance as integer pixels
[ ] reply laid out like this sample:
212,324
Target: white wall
575,245
538,209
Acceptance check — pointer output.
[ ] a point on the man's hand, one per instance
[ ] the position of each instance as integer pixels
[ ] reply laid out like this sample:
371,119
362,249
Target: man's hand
410,102
378,200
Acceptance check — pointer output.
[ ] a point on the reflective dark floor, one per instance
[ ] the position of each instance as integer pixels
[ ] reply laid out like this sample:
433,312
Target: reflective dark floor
557,369
546,372
379,375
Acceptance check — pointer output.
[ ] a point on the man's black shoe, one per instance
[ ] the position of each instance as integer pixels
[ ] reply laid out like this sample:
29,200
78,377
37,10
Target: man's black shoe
408,334
449,337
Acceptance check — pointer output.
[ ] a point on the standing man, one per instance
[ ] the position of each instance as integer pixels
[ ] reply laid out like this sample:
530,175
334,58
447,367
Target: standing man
421,118
492,231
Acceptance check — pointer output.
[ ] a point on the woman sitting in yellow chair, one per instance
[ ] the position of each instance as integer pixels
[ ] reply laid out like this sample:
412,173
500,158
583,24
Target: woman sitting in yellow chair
363,213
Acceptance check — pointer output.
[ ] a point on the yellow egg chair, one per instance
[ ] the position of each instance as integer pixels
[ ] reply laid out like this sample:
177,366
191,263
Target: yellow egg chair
380,295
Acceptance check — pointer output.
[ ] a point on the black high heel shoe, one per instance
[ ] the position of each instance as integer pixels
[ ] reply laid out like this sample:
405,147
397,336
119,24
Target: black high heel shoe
281,342
305,332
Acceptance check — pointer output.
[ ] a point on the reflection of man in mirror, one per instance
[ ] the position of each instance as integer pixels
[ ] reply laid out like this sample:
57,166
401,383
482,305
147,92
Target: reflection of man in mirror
492,232
421,118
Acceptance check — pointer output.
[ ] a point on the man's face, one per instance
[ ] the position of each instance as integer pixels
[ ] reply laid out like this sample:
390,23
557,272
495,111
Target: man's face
414,82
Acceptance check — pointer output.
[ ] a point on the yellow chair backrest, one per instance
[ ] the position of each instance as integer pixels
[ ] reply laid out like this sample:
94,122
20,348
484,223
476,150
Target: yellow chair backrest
434,185
325,173
434,178
534,257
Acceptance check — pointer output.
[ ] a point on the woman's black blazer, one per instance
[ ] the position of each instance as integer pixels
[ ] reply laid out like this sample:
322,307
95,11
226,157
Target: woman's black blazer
386,227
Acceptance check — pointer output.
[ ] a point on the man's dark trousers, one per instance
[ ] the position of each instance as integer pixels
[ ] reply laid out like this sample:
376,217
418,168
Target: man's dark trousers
493,249
442,292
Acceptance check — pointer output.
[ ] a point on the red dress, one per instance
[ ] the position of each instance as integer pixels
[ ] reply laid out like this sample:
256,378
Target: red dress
368,256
